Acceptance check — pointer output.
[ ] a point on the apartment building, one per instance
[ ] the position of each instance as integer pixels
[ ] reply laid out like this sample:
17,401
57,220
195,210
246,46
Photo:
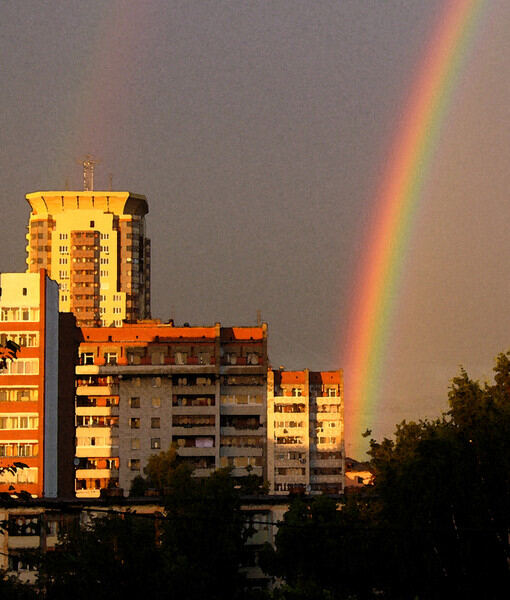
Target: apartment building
94,245
143,386
305,431
37,388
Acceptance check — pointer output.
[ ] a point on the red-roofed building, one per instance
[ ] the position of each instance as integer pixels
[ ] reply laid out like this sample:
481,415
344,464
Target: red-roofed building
305,431
143,386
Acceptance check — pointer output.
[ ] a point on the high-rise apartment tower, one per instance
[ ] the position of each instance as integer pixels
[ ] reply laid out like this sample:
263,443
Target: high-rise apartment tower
94,245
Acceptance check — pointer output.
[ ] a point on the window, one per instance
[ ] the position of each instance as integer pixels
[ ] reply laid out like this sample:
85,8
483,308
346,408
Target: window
63,275
181,358
24,291
63,249
18,395
252,358
134,464
155,443
135,443
104,273
297,392
25,421
105,236
110,358
134,403
105,261
204,358
87,358
332,392
92,224
155,423
27,366
62,261
134,423
156,382
157,358
62,236
156,402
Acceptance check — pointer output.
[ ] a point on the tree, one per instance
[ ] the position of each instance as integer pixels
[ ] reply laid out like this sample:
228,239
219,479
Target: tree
203,537
106,557
436,518
192,550
164,471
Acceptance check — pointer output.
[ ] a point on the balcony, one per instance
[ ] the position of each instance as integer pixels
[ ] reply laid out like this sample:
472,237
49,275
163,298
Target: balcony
97,473
91,303
193,430
97,451
193,410
193,451
259,431
84,278
98,390
100,411
198,390
87,315
89,253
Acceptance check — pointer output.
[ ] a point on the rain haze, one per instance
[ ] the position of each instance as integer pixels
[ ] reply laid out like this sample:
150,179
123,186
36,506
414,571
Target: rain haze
259,132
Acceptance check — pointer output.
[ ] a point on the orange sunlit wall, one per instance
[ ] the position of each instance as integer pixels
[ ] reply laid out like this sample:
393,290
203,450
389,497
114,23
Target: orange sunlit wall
31,430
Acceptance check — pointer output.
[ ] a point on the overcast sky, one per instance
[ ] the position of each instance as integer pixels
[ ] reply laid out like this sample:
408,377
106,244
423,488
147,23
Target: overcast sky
258,130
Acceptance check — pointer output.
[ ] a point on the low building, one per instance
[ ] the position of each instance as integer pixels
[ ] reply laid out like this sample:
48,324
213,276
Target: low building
143,386
358,474
37,387
37,524
305,429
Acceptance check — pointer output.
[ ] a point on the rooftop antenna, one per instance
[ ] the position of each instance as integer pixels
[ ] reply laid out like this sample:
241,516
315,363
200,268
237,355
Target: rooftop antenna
89,162
259,318
110,177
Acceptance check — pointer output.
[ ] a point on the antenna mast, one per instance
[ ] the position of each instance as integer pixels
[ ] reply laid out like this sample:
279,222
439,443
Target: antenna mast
88,172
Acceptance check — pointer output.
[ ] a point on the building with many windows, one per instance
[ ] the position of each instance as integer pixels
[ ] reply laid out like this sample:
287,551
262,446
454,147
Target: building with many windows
94,245
143,386
37,387
305,429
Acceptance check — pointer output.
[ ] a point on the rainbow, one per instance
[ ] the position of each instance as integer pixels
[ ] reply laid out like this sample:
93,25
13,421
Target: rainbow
396,202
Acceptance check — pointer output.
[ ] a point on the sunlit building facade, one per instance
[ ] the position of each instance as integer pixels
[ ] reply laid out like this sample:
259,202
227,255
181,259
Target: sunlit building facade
37,387
144,386
94,245
305,428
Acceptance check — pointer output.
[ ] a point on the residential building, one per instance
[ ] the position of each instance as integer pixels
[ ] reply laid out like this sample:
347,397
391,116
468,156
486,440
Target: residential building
146,385
94,245
35,526
37,387
305,431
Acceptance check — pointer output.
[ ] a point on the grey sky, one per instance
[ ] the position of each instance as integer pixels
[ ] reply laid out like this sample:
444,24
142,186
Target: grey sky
258,131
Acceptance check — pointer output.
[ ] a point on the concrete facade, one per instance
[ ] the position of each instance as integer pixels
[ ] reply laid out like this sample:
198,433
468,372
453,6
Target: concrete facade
305,429
144,386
